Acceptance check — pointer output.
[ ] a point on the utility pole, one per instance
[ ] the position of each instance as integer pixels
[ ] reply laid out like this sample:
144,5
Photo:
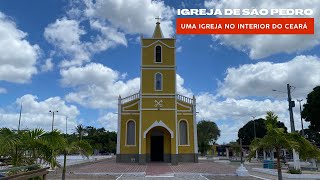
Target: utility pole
241,150
296,158
254,131
52,119
52,153
291,105
254,126
20,118
66,125
302,130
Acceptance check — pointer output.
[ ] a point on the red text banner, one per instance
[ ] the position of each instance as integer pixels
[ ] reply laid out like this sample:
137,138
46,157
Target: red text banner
245,25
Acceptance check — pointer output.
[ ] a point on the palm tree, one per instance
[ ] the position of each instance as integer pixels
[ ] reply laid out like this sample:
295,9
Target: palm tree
80,130
82,147
27,147
53,142
9,141
32,143
276,138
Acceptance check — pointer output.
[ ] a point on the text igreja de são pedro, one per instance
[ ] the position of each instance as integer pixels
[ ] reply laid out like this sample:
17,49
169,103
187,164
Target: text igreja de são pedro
244,12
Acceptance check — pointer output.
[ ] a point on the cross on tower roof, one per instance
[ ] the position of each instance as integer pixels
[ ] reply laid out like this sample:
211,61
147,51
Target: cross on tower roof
158,19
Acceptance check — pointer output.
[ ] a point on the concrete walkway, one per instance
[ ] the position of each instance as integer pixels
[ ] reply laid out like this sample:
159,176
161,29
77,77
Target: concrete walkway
204,170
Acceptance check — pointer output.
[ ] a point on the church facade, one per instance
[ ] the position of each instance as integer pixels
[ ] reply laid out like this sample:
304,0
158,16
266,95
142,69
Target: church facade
156,123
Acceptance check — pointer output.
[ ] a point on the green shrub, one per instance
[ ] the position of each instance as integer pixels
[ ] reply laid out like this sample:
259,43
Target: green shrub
33,167
294,171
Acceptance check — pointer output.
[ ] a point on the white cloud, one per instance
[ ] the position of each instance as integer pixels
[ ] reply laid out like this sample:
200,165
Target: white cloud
17,56
210,107
97,86
65,34
260,46
182,90
259,79
108,23
35,114
231,114
179,49
107,33
3,90
133,17
47,66
109,121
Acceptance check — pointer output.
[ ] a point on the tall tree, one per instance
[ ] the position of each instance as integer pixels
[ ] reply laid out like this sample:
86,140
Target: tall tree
312,136
82,147
80,130
246,133
208,132
276,138
311,110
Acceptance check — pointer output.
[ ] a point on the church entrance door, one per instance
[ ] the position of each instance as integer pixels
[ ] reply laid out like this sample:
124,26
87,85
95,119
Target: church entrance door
157,148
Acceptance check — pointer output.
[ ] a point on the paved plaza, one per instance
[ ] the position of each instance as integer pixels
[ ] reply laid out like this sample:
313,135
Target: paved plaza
204,170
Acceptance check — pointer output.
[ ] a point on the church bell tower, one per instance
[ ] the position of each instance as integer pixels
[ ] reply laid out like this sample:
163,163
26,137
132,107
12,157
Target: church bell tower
157,124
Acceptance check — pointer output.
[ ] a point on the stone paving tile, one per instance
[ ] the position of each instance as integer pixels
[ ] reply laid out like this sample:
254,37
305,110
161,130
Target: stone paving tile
159,169
176,177
110,170
186,177
112,167
205,167
230,178
100,169
81,177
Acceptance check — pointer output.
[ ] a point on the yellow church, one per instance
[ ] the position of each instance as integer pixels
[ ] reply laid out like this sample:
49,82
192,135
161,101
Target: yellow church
156,123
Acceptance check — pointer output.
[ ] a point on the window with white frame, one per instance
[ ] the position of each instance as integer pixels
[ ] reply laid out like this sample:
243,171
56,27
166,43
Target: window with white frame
158,82
183,130
158,54
131,133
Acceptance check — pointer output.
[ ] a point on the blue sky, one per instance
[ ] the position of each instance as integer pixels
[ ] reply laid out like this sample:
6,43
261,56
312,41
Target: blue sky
78,57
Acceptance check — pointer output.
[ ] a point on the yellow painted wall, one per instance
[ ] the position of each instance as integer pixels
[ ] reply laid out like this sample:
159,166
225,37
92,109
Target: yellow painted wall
183,108
166,137
149,102
168,41
168,54
149,117
148,82
131,106
125,149
187,148
184,104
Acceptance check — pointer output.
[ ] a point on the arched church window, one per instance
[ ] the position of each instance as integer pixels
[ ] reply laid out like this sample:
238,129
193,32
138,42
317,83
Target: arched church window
131,132
158,54
183,130
158,81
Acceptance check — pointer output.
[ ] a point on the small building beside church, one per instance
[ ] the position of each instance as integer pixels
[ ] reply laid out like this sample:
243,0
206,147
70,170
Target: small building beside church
156,123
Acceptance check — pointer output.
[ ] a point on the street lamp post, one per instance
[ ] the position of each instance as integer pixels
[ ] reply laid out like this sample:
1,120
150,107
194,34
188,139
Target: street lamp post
254,126
302,130
254,132
52,119
296,158
66,125
52,159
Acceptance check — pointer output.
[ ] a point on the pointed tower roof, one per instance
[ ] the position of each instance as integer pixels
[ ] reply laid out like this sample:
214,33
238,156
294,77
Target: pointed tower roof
157,33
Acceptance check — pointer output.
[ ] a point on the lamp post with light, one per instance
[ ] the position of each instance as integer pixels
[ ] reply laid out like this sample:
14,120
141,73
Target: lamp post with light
52,135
